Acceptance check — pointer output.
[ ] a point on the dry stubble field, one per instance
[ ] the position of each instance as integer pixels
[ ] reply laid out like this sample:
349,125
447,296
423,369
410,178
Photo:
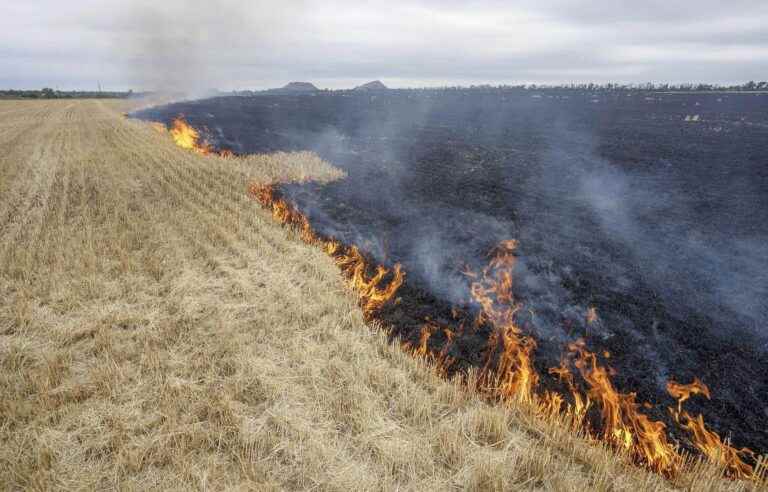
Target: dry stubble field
159,330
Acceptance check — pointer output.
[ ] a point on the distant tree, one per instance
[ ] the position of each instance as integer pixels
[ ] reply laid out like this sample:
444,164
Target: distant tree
48,93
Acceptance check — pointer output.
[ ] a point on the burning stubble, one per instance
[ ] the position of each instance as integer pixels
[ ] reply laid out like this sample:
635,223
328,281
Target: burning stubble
622,423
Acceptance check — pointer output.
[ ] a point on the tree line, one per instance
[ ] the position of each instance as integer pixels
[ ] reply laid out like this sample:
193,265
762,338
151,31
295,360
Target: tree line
48,93
616,87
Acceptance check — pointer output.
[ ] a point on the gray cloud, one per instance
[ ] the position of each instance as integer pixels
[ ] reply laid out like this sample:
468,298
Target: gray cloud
239,44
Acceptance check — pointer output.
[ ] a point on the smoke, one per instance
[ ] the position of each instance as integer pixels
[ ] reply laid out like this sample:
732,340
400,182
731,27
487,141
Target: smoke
680,242
686,233
195,47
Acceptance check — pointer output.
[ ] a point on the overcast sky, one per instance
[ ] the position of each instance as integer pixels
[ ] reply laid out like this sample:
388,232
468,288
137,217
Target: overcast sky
239,44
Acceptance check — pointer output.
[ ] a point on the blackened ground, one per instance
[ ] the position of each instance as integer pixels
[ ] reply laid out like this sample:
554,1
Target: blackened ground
653,208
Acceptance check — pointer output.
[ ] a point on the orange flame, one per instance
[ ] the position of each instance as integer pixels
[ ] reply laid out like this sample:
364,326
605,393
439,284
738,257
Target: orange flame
684,391
623,423
508,369
373,290
427,329
187,137
581,403
705,440
441,360
551,404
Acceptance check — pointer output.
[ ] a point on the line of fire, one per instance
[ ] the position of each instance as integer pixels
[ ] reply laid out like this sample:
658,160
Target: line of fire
579,393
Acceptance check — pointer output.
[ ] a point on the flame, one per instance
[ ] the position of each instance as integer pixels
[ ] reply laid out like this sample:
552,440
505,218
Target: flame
508,370
705,440
187,137
581,403
551,404
622,422
508,367
684,391
373,290
441,361
425,333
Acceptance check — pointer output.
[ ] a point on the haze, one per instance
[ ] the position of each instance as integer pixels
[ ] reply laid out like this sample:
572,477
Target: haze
237,44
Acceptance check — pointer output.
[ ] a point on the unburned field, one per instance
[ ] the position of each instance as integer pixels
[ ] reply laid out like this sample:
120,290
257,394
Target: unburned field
158,329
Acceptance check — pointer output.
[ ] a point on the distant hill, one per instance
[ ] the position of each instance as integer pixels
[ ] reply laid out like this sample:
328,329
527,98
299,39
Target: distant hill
376,85
299,87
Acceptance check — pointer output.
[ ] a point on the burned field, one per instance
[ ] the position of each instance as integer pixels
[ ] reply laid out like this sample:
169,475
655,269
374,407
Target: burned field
641,223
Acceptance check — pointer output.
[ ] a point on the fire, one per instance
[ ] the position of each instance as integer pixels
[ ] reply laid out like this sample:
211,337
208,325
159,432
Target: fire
623,423
508,367
705,440
581,403
373,290
508,372
427,329
187,137
684,391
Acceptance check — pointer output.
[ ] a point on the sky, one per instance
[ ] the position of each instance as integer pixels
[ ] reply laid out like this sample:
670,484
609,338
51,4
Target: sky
239,44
